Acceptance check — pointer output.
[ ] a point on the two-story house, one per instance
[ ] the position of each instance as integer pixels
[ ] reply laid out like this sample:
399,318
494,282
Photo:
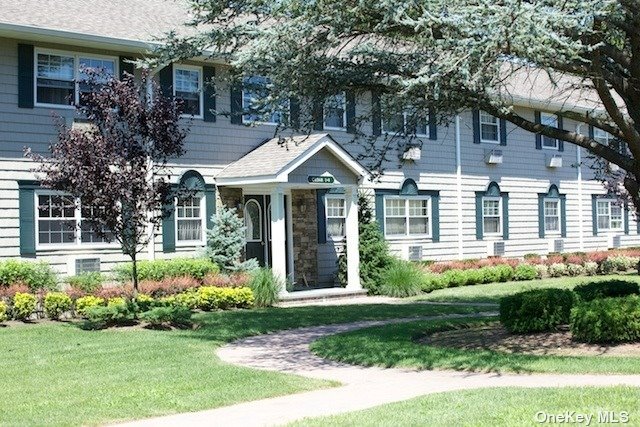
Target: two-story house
476,187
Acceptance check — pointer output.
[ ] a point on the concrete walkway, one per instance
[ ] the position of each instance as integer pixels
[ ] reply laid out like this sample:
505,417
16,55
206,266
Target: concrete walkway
288,351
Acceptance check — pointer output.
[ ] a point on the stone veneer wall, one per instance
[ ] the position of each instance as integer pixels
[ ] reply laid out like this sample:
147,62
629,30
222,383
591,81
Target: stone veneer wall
230,197
305,235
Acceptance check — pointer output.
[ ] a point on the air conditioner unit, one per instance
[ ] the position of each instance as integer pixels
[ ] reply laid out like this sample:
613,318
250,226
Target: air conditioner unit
412,153
554,161
86,265
415,253
556,245
496,249
613,167
493,156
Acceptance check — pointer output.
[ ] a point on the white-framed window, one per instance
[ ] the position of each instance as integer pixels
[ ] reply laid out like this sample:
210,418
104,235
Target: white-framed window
256,89
59,75
407,216
552,214
601,136
550,120
489,128
253,221
336,214
406,123
187,86
335,112
61,222
609,215
492,216
190,220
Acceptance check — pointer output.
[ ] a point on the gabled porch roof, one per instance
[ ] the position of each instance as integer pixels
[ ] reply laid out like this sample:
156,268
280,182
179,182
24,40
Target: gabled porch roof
275,159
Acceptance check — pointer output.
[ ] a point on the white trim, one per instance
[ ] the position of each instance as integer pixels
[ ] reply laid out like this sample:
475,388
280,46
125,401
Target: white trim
203,220
610,202
542,137
556,200
500,232
497,124
76,71
244,212
344,113
408,235
197,68
328,196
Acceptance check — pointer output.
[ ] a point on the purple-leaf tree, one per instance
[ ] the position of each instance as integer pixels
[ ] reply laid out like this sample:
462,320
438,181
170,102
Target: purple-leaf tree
115,165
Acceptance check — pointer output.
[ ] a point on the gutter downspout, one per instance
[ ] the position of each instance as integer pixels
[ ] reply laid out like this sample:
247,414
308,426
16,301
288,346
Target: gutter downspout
580,201
459,188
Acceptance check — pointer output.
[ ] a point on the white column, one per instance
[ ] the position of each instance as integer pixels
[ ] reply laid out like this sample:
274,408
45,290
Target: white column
278,235
459,189
353,239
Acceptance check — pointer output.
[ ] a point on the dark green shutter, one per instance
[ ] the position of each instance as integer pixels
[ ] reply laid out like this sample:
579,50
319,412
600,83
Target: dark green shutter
503,132
318,115
165,76
322,219
26,201
376,113
626,218
209,94
476,126
591,132
538,120
25,75
541,215
594,214
126,66
294,113
380,211
563,216
479,230
236,103
169,232
435,212
560,142
350,101
505,216
433,126
210,203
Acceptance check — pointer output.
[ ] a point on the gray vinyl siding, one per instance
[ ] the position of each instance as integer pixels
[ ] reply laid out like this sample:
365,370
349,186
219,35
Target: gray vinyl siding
323,162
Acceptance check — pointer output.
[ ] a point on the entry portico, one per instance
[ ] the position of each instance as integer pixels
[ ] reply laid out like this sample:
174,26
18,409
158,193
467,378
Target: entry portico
300,201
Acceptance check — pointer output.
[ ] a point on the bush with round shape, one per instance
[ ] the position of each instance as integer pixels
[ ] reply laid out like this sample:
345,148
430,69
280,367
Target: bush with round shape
575,270
177,316
87,282
536,310
56,304
557,269
86,302
608,266
402,279
454,278
36,275
607,320
23,306
525,272
120,314
265,286
490,274
606,289
506,272
431,282
590,268
474,277
541,271
3,311
214,298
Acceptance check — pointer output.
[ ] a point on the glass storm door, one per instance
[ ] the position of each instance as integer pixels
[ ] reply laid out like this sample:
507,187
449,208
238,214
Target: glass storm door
255,221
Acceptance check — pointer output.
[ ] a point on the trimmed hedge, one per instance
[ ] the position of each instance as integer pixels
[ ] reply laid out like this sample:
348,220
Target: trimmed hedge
165,316
537,310
196,268
36,275
607,320
213,298
610,288
23,306
525,272
56,304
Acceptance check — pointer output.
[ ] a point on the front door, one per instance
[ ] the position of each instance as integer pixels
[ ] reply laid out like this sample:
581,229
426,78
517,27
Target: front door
256,222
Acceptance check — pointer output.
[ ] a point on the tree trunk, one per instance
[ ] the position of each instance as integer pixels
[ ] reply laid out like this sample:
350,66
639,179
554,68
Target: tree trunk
134,276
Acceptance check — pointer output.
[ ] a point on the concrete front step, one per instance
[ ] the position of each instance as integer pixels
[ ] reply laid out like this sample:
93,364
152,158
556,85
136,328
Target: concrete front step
319,295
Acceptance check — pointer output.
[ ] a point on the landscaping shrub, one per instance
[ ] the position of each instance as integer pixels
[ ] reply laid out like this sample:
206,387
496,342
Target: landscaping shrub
12,290
557,269
402,279
99,317
226,241
145,302
232,280
87,282
188,299
196,268
610,288
607,320
505,271
212,298
525,272
575,269
56,304
36,275
454,278
265,287
3,311
23,306
541,270
168,286
590,268
490,274
431,282
162,316
87,302
531,256
474,277
536,310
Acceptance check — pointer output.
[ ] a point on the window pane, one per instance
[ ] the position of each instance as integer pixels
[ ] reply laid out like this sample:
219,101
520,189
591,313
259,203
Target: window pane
418,225
189,219
552,121
188,90
252,221
418,208
395,226
393,123
603,222
492,225
551,223
334,109
491,208
395,207
550,208
335,207
189,229
489,132
55,75
335,227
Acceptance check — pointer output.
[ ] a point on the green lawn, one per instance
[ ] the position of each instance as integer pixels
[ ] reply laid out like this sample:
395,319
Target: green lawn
492,292
58,374
495,407
394,346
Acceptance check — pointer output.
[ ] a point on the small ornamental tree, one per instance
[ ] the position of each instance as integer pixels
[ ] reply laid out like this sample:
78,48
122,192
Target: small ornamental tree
226,240
116,165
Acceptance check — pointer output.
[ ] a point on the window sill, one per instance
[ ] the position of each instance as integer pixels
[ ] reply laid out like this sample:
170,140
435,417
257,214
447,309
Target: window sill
76,247
189,116
333,128
483,141
190,243
54,106
405,237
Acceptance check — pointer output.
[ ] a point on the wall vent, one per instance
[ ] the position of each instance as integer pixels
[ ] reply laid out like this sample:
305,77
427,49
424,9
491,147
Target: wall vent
415,253
496,248
558,245
616,242
87,265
